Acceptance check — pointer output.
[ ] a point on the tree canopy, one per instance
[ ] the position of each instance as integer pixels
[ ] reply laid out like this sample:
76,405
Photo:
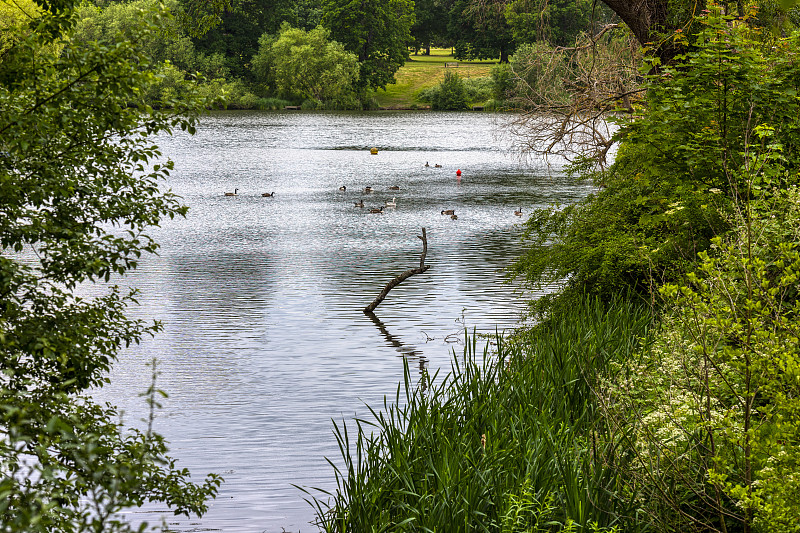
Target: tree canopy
479,30
378,32
306,65
80,183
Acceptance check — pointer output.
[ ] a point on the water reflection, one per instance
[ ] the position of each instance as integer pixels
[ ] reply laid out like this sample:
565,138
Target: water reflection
410,352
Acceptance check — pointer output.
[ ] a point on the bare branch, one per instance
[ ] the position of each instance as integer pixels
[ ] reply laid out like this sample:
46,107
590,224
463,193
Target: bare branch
567,93
402,277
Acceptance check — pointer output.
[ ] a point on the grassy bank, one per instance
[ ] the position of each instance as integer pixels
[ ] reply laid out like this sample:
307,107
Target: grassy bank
509,441
421,72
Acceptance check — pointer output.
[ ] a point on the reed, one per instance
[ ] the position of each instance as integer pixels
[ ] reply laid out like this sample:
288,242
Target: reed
509,440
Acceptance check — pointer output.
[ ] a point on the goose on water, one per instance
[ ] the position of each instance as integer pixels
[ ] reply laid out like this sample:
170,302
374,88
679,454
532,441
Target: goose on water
393,203
449,212
394,188
367,189
235,191
454,216
518,213
359,203
268,194
343,188
376,210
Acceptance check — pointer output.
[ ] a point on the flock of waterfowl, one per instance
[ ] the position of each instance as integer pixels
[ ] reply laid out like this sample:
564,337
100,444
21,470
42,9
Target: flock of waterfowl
392,203
379,209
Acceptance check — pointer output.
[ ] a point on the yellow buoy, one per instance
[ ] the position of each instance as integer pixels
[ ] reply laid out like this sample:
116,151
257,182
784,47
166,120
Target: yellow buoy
373,151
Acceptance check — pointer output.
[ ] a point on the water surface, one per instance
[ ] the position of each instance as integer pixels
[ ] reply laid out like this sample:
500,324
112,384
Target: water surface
264,339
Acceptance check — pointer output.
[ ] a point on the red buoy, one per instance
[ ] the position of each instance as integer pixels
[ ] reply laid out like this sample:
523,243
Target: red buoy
458,172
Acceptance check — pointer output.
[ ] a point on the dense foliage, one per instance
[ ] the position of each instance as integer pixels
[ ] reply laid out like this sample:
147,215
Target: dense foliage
674,183
479,30
556,22
378,32
223,40
79,186
698,216
450,95
306,65
713,409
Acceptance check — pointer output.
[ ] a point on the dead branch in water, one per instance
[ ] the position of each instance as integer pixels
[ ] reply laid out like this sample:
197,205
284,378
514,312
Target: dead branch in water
402,277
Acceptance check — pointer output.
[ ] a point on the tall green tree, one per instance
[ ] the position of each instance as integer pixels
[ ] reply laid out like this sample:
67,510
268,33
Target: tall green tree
479,30
306,14
558,22
301,65
430,23
239,27
171,43
378,32
79,186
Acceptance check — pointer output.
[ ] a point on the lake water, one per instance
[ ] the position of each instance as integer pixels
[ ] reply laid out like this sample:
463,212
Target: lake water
264,337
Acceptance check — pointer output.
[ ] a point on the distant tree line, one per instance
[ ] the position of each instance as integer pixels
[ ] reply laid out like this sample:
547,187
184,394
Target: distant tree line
329,53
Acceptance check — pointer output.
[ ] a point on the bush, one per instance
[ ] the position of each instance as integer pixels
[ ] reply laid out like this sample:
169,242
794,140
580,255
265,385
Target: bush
311,104
478,89
716,402
426,95
369,102
450,95
234,94
344,102
266,104
502,81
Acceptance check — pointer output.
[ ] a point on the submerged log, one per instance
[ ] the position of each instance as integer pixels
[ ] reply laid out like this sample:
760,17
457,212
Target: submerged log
402,277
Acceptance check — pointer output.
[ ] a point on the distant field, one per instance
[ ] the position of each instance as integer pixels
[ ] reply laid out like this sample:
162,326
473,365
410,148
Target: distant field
424,71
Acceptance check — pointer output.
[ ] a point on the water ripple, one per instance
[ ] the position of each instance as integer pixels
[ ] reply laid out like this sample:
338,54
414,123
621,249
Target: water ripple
264,339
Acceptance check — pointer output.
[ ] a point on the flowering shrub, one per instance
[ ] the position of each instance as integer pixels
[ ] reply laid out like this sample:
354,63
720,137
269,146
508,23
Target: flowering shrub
715,403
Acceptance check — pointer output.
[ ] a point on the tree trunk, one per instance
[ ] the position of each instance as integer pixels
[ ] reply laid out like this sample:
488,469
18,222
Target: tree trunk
647,20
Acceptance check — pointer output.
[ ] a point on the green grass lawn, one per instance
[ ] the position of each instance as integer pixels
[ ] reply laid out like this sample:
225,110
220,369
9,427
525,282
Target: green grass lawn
423,71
